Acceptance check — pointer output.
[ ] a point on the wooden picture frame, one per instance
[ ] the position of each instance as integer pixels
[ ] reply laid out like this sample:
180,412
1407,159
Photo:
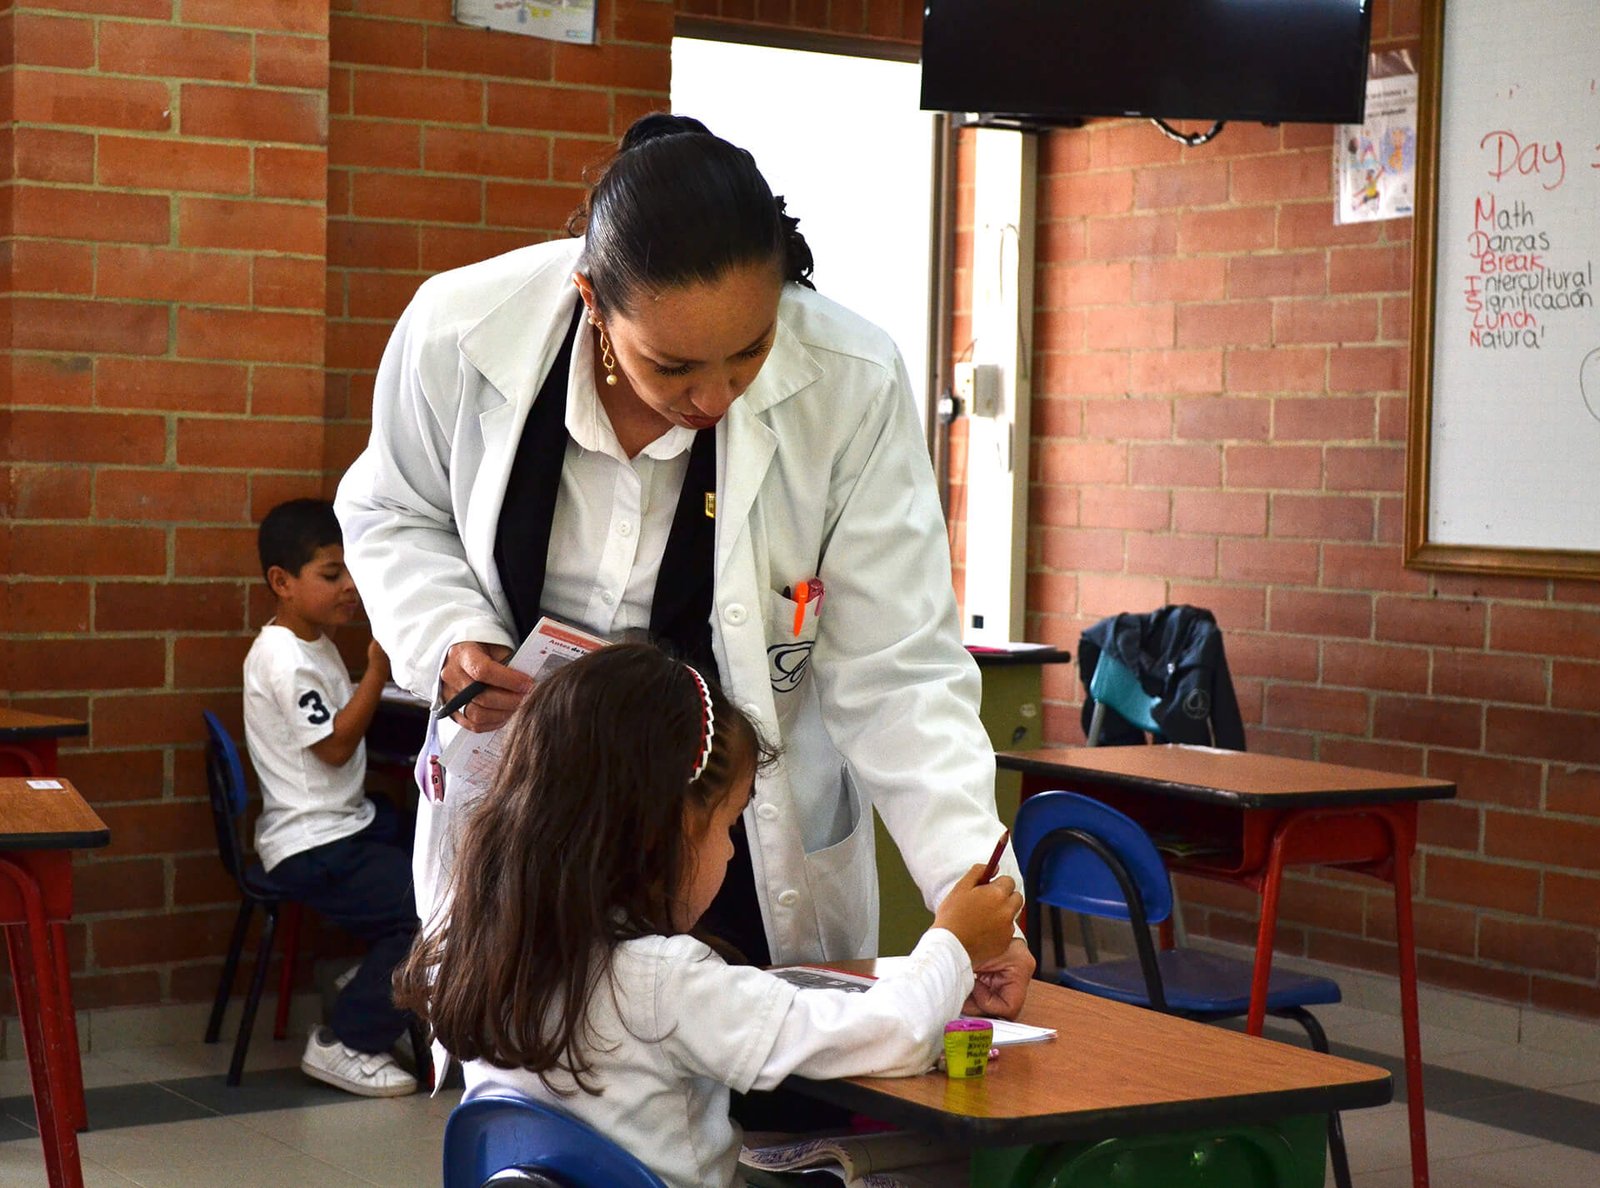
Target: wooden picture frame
1423,548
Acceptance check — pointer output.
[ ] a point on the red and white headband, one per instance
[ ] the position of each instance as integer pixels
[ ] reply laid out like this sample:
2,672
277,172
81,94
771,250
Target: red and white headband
708,724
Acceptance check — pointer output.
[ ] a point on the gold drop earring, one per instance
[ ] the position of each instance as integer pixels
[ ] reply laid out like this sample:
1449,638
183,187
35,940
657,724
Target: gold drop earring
607,359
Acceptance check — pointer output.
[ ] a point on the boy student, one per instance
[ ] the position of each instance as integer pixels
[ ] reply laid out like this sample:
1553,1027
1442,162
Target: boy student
321,840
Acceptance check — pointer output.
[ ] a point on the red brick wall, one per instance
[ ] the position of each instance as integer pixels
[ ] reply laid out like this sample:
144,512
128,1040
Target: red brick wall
165,231
1220,418
892,20
448,144
214,210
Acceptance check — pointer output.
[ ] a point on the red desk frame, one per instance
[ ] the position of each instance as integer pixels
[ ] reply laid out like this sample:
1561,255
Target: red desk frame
28,747
39,827
28,741
1266,813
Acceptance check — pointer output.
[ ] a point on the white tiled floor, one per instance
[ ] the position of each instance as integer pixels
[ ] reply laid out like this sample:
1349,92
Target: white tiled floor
1462,1153
352,1143
348,1143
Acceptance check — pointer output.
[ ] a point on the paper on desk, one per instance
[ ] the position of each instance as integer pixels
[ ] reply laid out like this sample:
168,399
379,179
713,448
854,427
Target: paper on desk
1007,1032
475,755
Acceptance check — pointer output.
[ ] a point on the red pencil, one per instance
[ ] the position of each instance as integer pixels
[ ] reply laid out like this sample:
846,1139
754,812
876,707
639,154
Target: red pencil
994,859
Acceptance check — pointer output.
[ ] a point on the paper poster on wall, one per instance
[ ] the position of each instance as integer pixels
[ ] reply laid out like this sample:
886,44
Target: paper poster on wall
555,20
1376,161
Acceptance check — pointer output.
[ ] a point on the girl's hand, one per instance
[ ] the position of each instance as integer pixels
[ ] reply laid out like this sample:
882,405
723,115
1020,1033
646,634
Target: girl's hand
981,918
1001,985
473,661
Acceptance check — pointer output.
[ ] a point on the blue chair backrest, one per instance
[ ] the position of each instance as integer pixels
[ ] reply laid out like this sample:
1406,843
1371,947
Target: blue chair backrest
225,782
1115,685
488,1134
1076,879
230,770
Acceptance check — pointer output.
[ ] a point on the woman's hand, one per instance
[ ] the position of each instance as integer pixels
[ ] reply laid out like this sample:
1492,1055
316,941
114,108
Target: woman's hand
473,661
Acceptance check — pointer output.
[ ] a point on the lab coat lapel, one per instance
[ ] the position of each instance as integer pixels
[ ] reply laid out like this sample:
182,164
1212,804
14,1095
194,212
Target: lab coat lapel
750,443
512,347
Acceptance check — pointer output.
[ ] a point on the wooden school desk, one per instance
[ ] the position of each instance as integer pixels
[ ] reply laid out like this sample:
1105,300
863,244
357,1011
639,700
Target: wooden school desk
1243,817
1158,1084
42,820
28,741
28,745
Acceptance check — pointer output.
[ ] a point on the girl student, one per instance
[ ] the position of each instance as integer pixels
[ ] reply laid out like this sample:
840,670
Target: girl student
566,970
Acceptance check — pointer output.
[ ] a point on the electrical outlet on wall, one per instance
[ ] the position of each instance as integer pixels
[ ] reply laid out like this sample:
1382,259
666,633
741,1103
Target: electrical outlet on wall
978,386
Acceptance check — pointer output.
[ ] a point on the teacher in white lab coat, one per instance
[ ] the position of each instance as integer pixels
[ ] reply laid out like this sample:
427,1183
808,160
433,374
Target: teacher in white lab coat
658,426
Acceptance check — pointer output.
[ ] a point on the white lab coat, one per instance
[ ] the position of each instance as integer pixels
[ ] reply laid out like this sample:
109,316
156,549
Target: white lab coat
822,472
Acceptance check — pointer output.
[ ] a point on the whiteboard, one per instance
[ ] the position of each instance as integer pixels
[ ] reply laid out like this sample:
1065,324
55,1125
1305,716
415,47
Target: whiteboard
1504,468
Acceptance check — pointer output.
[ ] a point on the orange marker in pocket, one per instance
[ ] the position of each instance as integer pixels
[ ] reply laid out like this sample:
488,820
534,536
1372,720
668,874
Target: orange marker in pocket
807,591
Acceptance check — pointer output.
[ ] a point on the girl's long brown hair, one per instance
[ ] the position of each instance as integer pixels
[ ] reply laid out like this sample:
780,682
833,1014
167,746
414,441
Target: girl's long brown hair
578,845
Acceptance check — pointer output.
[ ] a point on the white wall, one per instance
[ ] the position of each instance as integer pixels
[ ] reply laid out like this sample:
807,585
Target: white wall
843,141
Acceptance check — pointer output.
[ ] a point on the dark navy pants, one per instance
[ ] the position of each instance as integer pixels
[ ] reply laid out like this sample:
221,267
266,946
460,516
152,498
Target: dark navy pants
362,883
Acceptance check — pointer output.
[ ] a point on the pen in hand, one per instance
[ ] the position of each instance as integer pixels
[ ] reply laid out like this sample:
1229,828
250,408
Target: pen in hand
993,864
461,700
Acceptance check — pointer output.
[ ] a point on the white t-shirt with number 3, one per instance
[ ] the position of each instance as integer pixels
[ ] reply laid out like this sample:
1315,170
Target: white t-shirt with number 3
292,689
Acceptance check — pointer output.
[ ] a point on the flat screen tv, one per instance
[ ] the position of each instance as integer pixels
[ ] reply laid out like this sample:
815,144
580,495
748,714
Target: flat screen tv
1302,61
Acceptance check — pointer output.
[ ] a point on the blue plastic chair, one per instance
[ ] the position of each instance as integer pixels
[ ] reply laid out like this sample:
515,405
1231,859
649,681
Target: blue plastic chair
512,1140
1080,855
225,781
1113,686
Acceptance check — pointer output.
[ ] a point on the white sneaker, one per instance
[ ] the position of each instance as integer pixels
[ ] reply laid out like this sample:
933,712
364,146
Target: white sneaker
369,1074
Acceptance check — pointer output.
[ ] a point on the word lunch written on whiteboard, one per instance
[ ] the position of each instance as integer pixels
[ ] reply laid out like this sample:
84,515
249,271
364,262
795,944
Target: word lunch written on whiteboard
1503,464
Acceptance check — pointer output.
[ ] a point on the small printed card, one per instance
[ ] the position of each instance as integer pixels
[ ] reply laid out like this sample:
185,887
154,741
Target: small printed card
476,756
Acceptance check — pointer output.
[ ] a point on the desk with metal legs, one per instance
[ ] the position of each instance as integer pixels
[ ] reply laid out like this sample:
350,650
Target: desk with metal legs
28,747
28,741
1120,1083
42,820
1244,817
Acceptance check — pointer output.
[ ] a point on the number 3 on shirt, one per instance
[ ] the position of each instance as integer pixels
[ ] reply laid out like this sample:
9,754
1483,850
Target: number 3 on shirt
317,713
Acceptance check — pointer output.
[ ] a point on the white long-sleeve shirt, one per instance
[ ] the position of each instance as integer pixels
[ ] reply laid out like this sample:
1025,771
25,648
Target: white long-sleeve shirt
683,1028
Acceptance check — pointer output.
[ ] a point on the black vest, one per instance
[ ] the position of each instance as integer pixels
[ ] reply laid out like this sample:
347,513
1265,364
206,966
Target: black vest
680,612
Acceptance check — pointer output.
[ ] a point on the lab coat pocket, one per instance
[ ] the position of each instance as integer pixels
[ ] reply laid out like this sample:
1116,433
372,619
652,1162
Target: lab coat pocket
791,634
844,882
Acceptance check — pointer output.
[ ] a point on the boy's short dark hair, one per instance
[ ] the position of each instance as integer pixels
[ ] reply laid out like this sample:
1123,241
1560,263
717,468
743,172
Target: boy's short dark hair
292,532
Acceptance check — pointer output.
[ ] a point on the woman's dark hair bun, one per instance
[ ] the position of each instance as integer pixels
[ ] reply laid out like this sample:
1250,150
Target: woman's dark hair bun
659,125
678,205
797,261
